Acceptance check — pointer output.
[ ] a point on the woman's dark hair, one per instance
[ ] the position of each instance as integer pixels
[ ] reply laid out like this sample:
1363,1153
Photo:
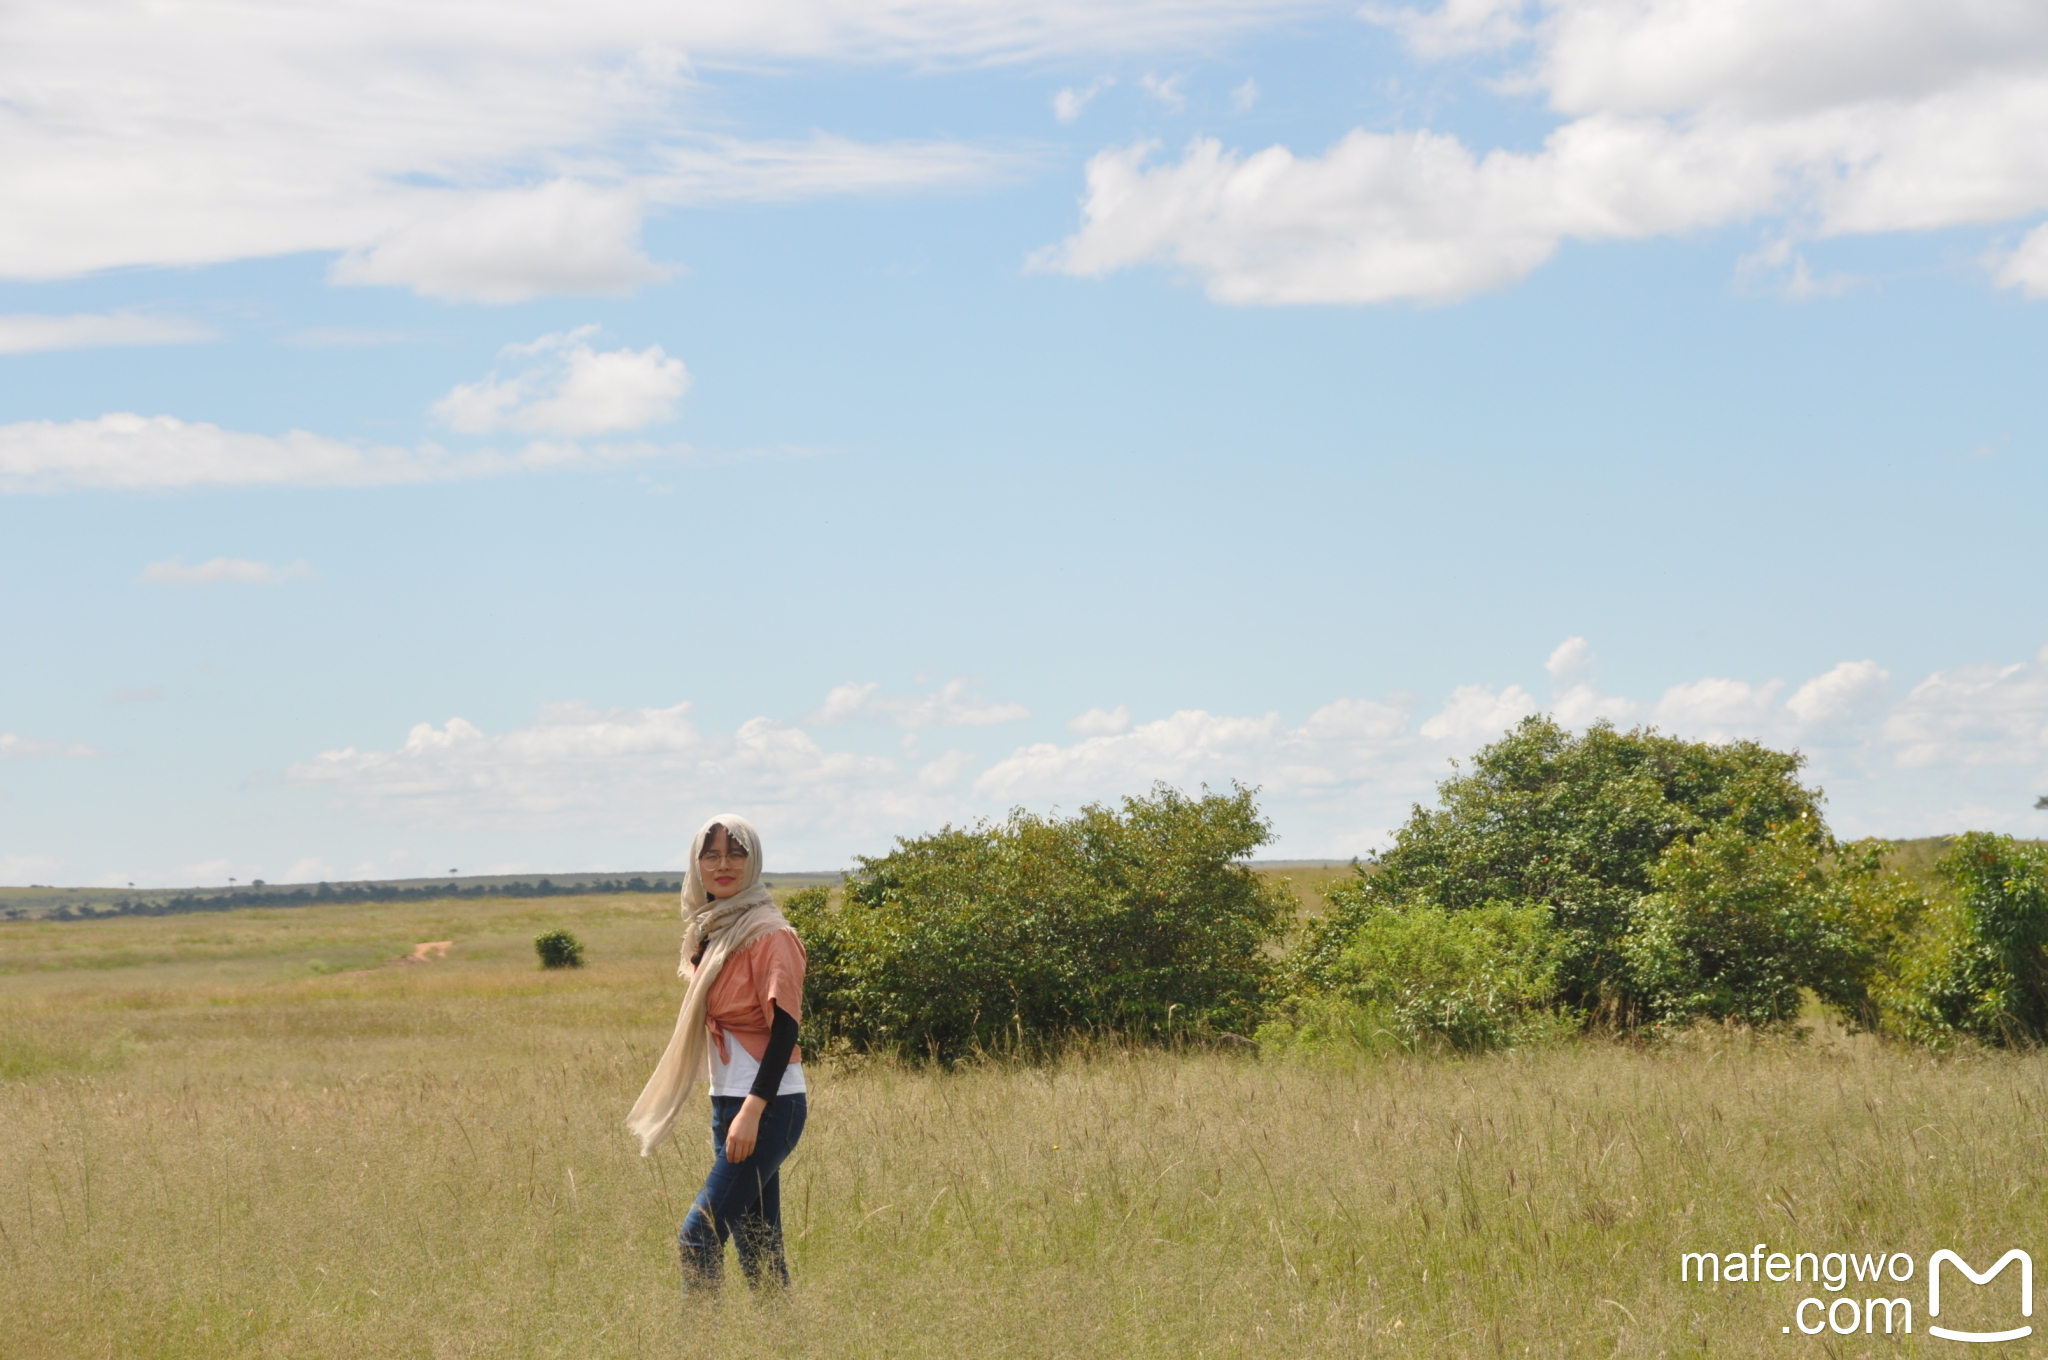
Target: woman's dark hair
732,842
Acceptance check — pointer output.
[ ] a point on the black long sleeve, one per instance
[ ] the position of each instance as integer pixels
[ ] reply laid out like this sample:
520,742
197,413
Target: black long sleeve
781,1043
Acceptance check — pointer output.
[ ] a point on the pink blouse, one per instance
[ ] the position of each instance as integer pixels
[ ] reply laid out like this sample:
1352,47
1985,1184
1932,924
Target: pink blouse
767,973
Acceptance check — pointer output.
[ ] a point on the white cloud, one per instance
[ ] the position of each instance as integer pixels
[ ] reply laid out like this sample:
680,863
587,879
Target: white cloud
24,333
1386,216
629,771
1581,704
448,148
1167,91
1830,117
571,389
711,168
1244,96
945,770
1068,104
236,570
1719,710
1457,27
1180,749
1570,661
512,245
1345,744
1101,722
1335,784
131,452
1574,699
1975,715
1852,692
1475,714
955,704
14,746
2025,270
1949,755
1358,722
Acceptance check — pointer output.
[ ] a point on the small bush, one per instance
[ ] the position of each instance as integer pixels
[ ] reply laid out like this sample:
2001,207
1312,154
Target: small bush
1141,920
558,949
1482,978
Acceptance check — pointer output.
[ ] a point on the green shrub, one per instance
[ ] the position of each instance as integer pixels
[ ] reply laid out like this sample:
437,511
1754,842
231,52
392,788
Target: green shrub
1574,825
1141,920
1979,966
1467,980
1740,924
558,949
1330,1024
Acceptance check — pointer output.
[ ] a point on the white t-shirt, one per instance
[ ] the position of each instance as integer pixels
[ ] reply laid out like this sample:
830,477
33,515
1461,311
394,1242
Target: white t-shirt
735,1076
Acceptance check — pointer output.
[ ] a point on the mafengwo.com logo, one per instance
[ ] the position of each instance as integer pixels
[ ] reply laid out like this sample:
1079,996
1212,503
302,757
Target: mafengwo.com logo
1860,1291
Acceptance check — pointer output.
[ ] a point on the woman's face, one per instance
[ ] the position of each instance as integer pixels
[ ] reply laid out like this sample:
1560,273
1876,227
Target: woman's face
722,864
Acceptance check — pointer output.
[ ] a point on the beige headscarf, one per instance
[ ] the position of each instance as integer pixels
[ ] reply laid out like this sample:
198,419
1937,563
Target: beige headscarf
728,926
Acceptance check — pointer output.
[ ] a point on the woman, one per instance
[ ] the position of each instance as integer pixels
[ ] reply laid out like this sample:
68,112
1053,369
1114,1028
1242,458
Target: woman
738,1025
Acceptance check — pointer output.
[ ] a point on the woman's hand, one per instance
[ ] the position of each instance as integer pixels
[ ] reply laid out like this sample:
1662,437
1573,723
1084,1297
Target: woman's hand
745,1130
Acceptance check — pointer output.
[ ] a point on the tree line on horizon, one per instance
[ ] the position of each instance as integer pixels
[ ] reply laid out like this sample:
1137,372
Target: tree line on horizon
259,894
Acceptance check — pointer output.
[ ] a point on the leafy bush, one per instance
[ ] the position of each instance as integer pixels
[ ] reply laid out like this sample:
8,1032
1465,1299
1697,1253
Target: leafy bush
1979,967
1467,980
1575,826
1326,1024
558,949
1739,925
1139,920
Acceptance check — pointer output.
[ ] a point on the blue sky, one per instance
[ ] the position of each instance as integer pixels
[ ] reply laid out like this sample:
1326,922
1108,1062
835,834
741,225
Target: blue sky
491,441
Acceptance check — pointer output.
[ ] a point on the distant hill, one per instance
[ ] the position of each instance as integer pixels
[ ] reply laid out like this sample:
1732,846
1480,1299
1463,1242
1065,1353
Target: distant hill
72,903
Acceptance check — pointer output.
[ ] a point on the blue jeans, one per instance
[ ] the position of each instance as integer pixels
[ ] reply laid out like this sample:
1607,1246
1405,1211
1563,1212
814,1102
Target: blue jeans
742,1200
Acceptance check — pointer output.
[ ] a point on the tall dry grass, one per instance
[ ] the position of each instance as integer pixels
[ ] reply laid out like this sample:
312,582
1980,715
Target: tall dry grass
428,1160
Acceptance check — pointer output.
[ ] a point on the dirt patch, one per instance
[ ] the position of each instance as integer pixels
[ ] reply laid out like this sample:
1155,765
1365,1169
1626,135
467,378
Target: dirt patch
428,952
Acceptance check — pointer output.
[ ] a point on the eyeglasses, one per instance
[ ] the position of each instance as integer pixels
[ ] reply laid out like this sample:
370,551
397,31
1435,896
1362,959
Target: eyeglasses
736,855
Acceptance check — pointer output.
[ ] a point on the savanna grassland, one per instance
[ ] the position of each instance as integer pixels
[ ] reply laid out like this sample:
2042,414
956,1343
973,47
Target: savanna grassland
254,1134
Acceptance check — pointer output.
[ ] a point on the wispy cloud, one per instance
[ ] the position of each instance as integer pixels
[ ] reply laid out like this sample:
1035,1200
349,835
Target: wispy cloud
955,704
13,746
221,571
157,453
2025,268
1101,722
712,167
1167,91
564,386
1070,103
511,245
24,333
480,153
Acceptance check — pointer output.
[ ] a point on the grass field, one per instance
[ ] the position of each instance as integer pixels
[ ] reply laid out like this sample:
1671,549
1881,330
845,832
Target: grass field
252,1134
